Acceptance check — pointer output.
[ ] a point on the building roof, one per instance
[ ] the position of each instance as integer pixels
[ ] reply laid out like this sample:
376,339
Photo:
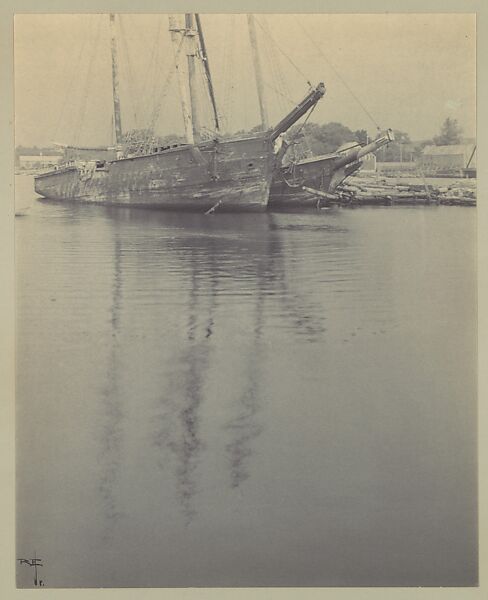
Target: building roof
453,149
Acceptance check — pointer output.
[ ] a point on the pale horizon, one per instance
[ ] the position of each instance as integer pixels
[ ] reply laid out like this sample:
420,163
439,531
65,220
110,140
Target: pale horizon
408,71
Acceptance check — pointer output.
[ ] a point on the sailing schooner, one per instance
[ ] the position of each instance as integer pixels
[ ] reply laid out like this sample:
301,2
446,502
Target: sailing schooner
302,182
229,173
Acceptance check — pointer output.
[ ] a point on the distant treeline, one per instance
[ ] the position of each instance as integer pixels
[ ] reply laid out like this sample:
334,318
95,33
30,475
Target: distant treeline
329,137
311,139
314,139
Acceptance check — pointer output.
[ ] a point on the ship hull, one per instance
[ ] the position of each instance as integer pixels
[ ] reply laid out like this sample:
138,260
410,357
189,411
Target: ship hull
319,173
227,175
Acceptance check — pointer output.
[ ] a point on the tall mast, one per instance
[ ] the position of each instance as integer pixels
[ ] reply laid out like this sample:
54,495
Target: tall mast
115,82
181,65
206,66
191,52
258,72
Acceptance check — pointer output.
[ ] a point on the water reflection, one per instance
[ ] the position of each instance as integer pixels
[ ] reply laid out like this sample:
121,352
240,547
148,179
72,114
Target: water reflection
179,426
214,258
245,427
179,408
210,385
112,417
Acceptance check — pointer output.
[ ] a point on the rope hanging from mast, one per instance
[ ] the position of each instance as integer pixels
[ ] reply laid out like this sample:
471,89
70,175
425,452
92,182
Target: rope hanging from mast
130,77
229,72
268,34
74,73
151,75
163,93
207,125
276,74
344,82
79,123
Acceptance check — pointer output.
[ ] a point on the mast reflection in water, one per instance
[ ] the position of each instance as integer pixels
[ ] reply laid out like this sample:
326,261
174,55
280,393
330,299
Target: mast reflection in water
247,400
112,417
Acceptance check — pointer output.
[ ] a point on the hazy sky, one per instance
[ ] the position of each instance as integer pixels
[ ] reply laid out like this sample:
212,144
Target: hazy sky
410,72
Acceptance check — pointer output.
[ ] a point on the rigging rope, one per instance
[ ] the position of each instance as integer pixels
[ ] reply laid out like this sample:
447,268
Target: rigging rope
275,72
275,62
74,74
292,165
228,72
305,121
163,93
130,78
295,136
82,112
142,108
204,63
207,124
268,33
346,85
287,98
156,64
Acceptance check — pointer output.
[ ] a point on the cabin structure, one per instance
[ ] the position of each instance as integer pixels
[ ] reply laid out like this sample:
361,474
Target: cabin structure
450,160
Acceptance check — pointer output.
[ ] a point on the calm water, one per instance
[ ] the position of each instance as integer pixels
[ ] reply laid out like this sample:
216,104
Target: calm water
246,400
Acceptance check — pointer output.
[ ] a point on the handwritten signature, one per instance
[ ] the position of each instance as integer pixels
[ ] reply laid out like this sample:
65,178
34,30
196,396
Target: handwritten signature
33,562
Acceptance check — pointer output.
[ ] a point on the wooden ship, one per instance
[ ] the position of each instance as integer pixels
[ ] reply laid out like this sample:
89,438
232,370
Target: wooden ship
303,182
226,173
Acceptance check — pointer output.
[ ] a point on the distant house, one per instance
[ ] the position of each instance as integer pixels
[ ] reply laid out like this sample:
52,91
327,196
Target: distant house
408,151
39,161
448,160
368,163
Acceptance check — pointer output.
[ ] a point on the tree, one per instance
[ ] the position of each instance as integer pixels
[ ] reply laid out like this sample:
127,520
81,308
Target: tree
401,136
361,136
333,135
394,152
321,139
256,129
450,133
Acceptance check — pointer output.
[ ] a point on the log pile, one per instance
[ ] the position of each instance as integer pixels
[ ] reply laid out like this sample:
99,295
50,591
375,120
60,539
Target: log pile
385,191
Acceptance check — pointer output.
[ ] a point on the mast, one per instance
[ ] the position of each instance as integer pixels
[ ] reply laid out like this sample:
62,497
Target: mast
178,39
258,71
115,82
191,51
206,66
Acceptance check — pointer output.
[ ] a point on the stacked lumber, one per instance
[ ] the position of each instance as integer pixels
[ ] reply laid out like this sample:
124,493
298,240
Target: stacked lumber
387,191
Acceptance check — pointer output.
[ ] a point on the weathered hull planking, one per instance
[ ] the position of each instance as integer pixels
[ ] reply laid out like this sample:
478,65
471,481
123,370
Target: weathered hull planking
230,174
319,173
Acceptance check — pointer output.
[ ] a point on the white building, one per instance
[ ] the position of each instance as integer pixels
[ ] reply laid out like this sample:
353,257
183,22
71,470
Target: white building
368,163
39,161
448,159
